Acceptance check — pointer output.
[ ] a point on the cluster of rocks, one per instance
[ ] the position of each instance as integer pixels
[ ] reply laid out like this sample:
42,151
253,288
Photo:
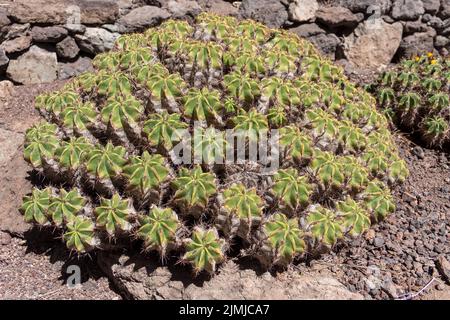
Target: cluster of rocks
367,33
45,40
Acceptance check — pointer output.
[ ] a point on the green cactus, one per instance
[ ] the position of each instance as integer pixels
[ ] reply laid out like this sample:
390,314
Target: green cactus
114,214
78,117
120,110
163,129
378,200
107,161
355,219
243,210
158,143
250,123
35,206
158,229
71,154
41,143
297,145
327,169
283,240
80,235
194,189
292,189
65,206
435,129
242,87
415,95
201,104
204,250
325,225
146,172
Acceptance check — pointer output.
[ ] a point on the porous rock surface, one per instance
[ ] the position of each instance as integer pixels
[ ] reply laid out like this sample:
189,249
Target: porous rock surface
141,278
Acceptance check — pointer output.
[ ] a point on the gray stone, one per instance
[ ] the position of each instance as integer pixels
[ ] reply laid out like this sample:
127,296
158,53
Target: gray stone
75,28
48,34
16,30
4,21
411,27
96,40
418,151
407,9
307,30
272,13
390,288
140,278
445,9
431,6
378,242
432,21
5,238
303,10
182,8
373,44
335,17
388,19
64,11
67,48
142,18
441,41
326,43
112,27
71,69
367,6
445,32
417,44
34,66
16,45
443,266
4,60
125,6
6,90
220,7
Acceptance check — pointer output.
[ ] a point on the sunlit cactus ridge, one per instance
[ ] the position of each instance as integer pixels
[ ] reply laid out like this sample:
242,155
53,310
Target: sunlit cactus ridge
106,148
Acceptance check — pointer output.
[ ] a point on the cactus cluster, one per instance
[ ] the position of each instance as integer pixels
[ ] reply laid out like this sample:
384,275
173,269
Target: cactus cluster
108,139
416,96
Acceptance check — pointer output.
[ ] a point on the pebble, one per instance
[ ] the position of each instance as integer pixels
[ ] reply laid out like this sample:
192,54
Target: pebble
443,266
418,151
378,242
5,238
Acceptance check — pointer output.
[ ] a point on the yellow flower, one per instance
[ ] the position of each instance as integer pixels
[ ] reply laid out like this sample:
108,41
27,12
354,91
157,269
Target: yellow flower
417,58
429,54
434,61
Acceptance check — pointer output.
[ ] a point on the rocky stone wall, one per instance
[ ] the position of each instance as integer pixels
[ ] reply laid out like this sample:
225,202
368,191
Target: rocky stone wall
45,40
367,33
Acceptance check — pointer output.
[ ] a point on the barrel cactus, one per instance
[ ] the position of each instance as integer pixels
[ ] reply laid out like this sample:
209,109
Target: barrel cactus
122,140
416,96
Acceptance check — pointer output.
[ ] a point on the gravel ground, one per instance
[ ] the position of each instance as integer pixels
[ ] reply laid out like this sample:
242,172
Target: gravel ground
398,256
36,269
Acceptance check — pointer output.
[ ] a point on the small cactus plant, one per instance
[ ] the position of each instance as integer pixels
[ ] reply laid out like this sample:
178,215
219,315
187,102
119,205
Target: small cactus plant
416,96
111,138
